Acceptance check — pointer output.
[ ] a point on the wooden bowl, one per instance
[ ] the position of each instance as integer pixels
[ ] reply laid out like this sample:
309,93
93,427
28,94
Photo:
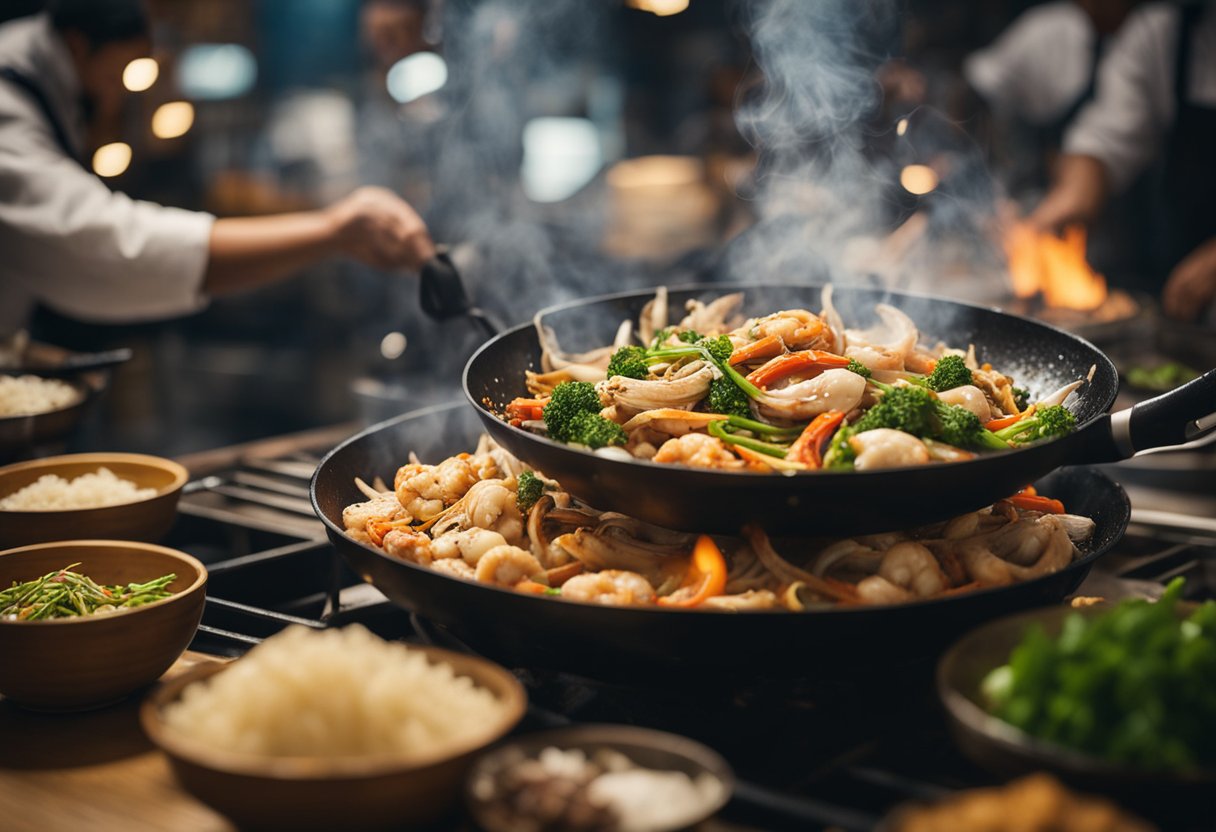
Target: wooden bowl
1007,751
144,520
386,791
67,664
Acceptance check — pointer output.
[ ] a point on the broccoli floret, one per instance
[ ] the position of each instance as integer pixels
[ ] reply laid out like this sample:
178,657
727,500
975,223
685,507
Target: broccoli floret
840,454
661,337
909,409
726,398
855,366
528,489
569,399
1021,397
960,427
951,371
629,362
594,431
689,336
720,348
1047,423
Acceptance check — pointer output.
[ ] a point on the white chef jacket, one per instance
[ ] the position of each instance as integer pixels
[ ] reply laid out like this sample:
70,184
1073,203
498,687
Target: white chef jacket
1126,123
1038,67
66,239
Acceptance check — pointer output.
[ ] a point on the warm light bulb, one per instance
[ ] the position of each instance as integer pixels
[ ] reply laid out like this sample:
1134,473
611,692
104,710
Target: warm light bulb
918,179
112,159
660,8
140,74
172,119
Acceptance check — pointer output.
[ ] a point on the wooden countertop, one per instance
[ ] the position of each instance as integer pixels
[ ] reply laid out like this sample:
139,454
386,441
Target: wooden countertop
93,771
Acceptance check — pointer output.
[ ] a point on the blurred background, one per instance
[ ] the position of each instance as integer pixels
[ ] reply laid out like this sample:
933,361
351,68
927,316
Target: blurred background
572,147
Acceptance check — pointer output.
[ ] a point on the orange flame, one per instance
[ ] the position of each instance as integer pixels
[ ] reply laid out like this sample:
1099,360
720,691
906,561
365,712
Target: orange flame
1053,266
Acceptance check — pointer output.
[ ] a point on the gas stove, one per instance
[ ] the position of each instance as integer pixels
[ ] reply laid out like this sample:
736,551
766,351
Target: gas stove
826,755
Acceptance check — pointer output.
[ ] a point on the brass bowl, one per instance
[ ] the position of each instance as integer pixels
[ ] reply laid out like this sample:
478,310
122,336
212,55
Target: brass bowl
386,791
143,520
69,664
1007,751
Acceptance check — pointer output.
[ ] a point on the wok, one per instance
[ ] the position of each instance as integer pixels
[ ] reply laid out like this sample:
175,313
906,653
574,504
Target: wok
1038,356
653,644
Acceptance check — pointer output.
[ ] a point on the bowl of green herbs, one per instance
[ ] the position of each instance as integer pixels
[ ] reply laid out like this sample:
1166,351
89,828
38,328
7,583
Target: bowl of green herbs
84,623
1111,696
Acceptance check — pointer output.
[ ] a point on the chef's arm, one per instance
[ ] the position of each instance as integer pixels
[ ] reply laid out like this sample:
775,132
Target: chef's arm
1076,197
1191,288
372,225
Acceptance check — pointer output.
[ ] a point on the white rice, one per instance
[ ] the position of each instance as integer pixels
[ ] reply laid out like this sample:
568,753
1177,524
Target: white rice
27,395
51,492
339,692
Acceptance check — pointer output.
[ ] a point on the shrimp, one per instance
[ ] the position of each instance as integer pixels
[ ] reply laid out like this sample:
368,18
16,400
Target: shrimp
970,397
682,390
887,448
698,451
425,490
455,567
611,587
798,329
671,421
409,545
753,599
469,544
878,590
508,565
830,390
492,506
384,507
911,566
1020,550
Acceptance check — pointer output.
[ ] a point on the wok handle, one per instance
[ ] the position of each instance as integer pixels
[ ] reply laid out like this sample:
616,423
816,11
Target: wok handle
1173,418
442,295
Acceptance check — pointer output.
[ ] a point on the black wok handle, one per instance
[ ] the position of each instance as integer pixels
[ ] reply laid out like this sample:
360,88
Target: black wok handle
442,295
1173,418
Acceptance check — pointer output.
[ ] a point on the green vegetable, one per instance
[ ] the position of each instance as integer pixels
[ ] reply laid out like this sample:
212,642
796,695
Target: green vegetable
629,362
64,593
661,337
915,410
960,427
1021,397
722,430
840,455
1133,685
594,431
569,399
719,348
951,371
1047,423
855,366
528,490
689,336
726,397
1163,377
765,429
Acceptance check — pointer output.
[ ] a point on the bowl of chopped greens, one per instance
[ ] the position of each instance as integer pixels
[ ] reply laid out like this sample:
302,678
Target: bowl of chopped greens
85,623
1117,697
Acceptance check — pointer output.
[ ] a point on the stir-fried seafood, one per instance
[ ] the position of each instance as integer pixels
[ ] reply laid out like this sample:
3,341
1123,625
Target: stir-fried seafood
789,391
522,532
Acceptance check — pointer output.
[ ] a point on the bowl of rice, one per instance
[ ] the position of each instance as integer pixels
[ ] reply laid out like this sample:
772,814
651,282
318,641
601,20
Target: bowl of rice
101,495
34,410
332,729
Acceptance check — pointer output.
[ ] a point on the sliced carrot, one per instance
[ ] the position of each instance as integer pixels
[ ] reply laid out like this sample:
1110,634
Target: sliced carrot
1030,489
803,361
1006,421
808,448
766,347
708,569
1033,502
526,409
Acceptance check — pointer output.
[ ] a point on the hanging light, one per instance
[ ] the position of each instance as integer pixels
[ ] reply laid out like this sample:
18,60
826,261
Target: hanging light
140,74
918,179
112,159
659,8
172,119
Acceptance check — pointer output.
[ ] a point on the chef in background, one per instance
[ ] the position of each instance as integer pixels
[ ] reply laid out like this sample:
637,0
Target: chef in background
68,241
1156,98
